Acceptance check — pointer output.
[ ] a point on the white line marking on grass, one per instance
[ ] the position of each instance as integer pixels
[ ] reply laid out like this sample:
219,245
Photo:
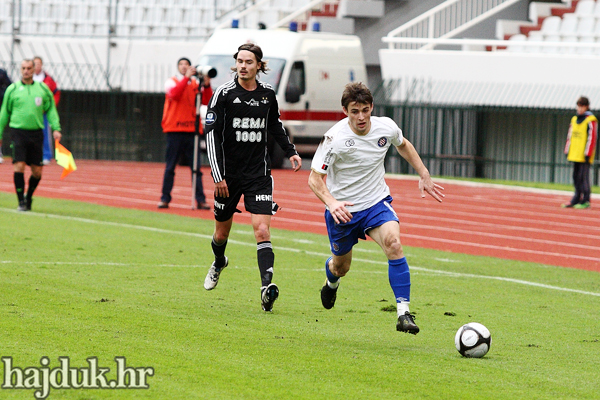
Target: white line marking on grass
499,278
313,253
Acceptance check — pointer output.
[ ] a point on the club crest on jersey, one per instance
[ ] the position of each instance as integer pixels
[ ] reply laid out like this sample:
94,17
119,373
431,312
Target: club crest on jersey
252,103
335,246
211,117
38,101
382,142
349,142
264,100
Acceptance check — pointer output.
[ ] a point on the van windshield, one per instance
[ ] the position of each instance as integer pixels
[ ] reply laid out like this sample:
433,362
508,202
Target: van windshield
223,65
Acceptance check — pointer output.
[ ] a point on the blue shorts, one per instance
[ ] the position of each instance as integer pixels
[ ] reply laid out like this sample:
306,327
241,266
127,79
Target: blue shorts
342,237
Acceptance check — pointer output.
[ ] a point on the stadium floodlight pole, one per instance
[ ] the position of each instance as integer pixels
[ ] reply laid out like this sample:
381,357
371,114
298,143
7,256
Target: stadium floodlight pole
196,144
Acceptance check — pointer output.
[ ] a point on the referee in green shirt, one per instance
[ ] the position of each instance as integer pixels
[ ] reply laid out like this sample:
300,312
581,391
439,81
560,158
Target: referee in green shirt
23,108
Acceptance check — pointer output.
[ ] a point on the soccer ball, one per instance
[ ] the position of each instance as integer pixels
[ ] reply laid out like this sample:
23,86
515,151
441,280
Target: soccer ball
473,340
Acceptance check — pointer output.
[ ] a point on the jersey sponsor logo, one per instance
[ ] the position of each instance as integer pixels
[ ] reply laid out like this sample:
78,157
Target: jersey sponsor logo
350,143
264,197
38,101
252,103
382,142
210,119
237,100
249,123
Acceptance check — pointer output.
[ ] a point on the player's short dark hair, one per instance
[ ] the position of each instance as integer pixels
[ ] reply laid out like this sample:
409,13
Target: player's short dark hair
356,92
583,101
27,60
257,51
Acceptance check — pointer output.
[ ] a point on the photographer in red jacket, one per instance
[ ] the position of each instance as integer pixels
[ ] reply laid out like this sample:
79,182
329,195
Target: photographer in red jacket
179,124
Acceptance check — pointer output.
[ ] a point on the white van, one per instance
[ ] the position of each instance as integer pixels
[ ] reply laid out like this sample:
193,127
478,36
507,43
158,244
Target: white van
308,70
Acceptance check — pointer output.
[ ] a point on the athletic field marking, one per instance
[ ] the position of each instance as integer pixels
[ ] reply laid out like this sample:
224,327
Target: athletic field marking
318,254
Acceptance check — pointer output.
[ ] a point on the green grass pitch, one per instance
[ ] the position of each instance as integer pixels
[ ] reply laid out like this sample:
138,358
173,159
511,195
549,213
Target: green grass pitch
81,280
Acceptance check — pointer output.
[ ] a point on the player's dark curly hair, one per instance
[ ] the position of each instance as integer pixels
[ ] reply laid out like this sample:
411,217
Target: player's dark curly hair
356,92
257,51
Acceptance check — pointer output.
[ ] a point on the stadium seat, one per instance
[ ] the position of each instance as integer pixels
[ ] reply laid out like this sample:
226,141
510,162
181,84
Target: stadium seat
568,25
585,7
534,36
550,25
515,48
551,49
178,32
65,28
173,16
586,50
597,29
585,27
569,49
5,25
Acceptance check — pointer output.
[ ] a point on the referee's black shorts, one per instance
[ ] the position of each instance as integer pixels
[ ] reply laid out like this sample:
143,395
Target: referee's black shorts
258,197
27,146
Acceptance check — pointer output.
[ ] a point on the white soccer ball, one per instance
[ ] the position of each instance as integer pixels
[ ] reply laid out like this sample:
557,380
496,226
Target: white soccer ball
473,340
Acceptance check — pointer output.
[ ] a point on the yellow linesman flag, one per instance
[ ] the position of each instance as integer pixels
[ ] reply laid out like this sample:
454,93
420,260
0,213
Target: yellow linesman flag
64,158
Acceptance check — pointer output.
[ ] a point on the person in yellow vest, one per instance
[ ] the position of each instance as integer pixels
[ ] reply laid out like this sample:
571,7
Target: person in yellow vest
580,150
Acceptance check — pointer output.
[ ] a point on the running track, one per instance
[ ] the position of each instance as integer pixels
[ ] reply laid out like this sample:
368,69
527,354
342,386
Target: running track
488,220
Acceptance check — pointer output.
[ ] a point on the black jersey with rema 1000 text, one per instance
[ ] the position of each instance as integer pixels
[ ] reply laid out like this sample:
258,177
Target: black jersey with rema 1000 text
238,123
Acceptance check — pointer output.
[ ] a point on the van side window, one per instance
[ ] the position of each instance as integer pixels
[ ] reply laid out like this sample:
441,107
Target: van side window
296,84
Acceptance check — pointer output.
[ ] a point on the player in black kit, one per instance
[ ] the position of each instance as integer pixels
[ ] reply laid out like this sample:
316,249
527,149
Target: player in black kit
241,114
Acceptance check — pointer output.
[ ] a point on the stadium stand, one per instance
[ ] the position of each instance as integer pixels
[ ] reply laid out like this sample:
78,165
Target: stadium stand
181,19
532,56
121,38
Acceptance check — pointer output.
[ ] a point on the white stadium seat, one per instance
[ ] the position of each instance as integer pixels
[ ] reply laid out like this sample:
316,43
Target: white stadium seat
586,50
597,10
585,7
597,29
550,25
551,49
515,48
568,25
534,36
569,49
585,27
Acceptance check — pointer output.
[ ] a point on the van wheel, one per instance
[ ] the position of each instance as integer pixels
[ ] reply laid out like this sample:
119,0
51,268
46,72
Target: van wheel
276,153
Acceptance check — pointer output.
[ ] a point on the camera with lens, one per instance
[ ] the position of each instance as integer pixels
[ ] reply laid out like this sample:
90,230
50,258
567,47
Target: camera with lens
205,70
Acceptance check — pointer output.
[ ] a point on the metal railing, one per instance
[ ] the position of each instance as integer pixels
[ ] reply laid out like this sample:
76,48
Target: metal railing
444,21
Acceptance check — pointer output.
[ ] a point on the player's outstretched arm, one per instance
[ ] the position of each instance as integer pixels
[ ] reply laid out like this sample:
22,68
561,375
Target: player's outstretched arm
409,153
316,182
